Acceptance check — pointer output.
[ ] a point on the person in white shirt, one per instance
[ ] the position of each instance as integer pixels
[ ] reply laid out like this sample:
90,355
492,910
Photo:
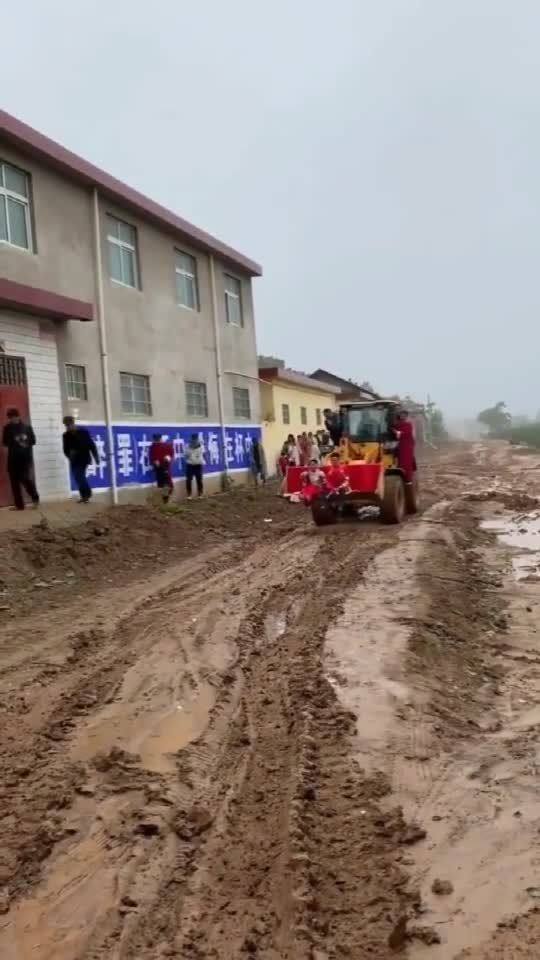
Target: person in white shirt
194,457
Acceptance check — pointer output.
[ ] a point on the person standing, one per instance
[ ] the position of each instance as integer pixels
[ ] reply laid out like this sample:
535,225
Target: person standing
258,461
404,431
332,423
283,461
313,449
80,450
194,457
19,439
293,453
161,457
303,447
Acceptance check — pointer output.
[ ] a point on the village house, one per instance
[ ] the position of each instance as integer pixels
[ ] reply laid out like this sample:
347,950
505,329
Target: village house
291,402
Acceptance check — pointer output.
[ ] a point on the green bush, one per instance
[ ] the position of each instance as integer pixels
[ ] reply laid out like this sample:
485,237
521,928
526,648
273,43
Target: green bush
528,434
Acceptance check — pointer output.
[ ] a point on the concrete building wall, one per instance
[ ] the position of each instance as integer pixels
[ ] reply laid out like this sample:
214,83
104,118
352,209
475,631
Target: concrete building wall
238,347
149,333
62,259
35,340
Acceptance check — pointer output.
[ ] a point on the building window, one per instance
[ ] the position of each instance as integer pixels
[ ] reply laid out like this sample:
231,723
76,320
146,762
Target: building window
233,301
285,413
196,399
135,394
123,264
76,387
303,416
15,219
241,403
187,288
318,417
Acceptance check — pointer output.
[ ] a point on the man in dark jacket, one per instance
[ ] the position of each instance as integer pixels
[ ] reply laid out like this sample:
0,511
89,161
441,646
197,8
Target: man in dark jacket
19,438
332,422
79,448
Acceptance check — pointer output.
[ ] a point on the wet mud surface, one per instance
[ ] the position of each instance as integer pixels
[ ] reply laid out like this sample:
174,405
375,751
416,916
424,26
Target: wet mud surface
223,737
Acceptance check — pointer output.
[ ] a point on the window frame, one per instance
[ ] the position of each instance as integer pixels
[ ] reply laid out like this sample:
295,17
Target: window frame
178,271
318,417
6,194
245,393
70,381
145,378
303,416
124,245
234,297
189,400
286,419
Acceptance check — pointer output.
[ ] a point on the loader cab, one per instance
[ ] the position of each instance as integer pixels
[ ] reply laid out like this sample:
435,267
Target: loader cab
369,422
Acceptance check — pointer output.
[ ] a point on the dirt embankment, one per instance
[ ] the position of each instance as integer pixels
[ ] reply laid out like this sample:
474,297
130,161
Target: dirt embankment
211,723
41,565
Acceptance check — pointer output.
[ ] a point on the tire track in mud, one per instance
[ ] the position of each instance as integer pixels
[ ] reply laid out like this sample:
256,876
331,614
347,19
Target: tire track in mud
266,866
43,798
41,781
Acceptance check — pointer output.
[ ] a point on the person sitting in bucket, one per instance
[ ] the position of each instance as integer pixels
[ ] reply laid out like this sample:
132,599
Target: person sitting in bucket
336,479
313,481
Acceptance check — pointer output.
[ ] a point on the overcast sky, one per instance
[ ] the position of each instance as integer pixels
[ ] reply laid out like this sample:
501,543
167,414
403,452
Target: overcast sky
381,160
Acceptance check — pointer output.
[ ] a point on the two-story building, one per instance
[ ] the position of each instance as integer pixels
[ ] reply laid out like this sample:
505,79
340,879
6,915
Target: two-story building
119,312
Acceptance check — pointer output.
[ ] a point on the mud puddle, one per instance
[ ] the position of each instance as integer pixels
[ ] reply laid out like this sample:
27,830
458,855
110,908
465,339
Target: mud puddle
153,736
180,726
522,533
275,625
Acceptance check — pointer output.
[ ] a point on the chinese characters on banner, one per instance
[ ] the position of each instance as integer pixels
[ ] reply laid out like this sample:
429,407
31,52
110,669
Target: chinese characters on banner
132,445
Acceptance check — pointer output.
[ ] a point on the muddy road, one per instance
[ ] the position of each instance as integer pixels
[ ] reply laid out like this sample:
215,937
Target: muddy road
226,734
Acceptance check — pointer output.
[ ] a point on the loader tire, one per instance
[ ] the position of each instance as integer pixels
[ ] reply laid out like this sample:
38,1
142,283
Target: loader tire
323,513
411,496
393,504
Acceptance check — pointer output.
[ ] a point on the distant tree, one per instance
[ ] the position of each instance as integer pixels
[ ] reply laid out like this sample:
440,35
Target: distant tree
497,419
435,426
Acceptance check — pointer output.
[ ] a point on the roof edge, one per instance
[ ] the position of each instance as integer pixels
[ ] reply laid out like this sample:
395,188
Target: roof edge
269,374
346,384
36,144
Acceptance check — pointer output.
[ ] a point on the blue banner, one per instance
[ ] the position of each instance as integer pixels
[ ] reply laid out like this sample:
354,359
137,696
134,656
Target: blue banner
132,444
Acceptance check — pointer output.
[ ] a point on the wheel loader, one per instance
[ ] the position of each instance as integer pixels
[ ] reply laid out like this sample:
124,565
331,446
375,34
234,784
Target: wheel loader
368,452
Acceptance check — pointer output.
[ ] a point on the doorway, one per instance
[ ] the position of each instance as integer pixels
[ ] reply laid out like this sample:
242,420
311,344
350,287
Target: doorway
13,393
